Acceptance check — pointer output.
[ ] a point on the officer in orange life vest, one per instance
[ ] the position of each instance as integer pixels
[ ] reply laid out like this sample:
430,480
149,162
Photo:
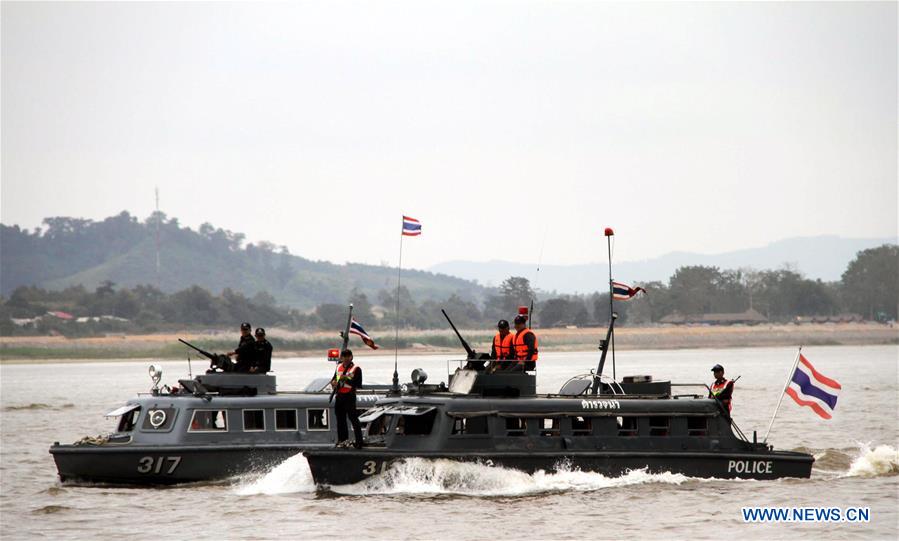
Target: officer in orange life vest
347,378
524,344
722,389
502,347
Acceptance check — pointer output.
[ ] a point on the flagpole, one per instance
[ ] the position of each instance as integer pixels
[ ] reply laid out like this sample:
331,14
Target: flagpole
782,393
396,338
609,234
346,332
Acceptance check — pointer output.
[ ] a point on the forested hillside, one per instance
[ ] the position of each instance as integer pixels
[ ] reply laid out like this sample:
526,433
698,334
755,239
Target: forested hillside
122,250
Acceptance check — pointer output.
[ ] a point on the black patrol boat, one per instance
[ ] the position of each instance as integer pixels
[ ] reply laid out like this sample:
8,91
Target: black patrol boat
593,423
211,427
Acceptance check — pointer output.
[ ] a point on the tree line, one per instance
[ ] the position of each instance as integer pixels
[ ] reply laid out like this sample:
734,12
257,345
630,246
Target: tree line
868,288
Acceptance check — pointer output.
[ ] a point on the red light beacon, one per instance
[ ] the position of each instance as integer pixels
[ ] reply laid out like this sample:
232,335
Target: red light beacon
334,355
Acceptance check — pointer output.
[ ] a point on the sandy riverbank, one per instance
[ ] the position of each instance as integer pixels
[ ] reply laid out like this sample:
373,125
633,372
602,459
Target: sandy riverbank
165,346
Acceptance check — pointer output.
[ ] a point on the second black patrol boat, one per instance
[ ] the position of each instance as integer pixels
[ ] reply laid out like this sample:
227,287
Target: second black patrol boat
592,424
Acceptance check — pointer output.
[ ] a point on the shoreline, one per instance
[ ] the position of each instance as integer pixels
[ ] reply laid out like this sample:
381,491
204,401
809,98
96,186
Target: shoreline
57,349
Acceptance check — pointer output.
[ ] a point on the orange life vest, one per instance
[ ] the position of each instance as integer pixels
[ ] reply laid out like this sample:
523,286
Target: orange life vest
521,349
503,345
717,389
344,374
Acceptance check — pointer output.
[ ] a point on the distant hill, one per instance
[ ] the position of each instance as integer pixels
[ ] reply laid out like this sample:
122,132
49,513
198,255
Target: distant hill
72,251
824,257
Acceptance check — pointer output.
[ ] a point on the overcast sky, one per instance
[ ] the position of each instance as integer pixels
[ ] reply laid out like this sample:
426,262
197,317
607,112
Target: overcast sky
699,127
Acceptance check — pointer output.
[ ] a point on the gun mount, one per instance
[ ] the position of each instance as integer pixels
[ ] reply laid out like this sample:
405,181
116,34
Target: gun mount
217,361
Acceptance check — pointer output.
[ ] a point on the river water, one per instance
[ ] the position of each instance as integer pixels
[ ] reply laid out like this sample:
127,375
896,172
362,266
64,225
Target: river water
857,464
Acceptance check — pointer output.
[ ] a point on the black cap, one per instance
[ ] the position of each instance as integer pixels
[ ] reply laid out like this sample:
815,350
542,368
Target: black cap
521,319
260,331
502,324
717,367
346,353
245,326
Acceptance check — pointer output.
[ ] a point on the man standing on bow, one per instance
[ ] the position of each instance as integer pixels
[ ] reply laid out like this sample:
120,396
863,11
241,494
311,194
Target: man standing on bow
347,378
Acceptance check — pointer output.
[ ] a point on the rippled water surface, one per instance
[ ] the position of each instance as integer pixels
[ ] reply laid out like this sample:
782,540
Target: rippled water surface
856,466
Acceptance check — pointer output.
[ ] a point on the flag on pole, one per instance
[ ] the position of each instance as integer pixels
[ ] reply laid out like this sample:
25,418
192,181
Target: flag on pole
411,227
624,292
808,387
357,329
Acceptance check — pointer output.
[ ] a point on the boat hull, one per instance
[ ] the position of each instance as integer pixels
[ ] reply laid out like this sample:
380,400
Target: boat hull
148,465
340,467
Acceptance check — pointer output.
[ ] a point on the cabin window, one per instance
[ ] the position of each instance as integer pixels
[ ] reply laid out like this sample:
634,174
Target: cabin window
416,425
697,426
128,421
317,419
627,426
659,426
285,419
516,426
581,426
463,426
550,426
253,420
209,421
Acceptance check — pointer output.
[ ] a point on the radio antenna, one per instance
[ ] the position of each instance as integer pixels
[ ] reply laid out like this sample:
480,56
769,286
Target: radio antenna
532,323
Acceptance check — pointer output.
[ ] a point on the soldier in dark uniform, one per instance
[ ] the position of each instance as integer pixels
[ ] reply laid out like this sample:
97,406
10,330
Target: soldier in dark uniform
246,349
262,361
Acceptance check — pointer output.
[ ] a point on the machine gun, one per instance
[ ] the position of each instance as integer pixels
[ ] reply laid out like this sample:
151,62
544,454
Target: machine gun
216,360
475,360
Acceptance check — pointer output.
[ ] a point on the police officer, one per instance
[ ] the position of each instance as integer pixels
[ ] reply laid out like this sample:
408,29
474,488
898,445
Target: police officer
502,347
524,344
722,389
262,353
347,378
245,351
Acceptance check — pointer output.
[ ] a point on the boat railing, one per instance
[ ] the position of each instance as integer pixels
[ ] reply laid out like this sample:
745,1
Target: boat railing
691,395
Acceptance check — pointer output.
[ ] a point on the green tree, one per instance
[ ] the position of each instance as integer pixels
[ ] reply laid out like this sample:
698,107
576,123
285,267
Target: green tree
870,284
333,316
361,307
515,291
693,289
409,313
464,313
784,294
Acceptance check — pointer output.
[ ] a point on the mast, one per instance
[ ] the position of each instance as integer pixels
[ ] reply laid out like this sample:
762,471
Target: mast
396,322
609,233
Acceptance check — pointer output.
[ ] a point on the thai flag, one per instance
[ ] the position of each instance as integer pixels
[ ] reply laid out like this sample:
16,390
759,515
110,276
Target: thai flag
624,292
357,329
411,227
808,387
